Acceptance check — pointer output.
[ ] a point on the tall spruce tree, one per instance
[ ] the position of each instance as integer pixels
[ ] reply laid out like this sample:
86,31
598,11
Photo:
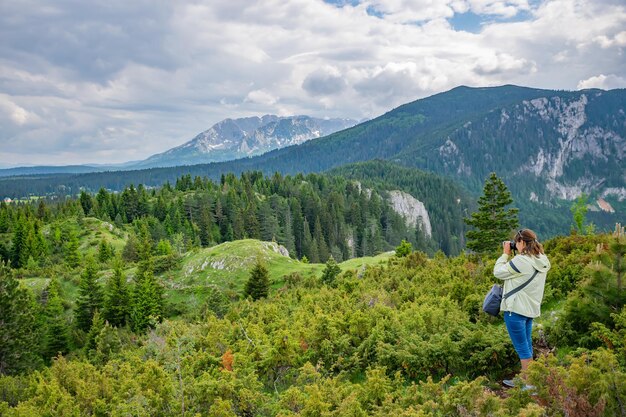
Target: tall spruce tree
258,284
19,247
492,222
56,332
72,256
18,325
116,298
86,202
89,296
148,295
4,217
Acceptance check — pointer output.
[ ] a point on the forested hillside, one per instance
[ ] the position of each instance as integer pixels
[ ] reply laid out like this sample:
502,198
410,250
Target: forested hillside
403,336
314,216
548,146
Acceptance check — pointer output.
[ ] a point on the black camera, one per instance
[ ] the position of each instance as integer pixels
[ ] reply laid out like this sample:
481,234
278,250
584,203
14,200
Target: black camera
512,246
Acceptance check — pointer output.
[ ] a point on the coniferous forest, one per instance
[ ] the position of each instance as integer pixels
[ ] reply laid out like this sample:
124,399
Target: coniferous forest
144,303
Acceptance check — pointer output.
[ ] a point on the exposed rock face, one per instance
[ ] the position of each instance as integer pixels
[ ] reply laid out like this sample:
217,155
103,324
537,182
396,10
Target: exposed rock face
605,206
554,147
578,141
411,209
237,138
276,248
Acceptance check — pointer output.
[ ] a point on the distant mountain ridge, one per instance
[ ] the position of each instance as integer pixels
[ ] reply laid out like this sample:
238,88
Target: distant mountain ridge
548,146
226,140
239,138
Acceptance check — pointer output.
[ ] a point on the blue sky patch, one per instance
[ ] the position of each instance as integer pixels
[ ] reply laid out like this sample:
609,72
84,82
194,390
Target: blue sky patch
473,23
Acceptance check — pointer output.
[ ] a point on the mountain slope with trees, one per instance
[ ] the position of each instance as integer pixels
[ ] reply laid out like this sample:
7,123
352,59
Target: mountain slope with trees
548,146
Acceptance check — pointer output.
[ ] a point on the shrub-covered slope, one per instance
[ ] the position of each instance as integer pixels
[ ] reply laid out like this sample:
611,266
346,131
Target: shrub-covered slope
404,338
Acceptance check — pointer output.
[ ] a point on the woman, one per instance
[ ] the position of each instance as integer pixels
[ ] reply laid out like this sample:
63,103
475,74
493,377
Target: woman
521,307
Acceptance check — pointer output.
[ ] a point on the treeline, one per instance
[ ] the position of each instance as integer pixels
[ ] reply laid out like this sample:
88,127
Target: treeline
313,216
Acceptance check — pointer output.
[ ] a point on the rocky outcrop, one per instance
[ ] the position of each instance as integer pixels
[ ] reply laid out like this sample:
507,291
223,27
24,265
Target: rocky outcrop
411,209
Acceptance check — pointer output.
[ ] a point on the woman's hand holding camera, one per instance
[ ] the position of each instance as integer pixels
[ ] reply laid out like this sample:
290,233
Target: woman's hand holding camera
508,246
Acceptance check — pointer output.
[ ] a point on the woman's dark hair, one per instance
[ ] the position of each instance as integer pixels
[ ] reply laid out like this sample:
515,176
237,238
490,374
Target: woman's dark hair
533,247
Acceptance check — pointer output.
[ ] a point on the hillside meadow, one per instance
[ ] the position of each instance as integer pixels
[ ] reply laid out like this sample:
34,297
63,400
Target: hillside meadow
390,336
140,304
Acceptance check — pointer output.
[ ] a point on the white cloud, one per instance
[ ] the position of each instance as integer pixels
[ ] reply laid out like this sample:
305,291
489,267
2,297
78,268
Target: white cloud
115,81
604,82
507,8
261,97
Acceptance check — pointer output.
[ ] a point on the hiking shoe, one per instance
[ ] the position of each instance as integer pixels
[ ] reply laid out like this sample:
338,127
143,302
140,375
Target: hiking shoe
530,388
508,383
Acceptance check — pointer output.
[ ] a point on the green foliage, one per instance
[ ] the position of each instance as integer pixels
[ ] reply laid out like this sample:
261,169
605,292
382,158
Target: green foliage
147,307
579,212
19,247
492,223
18,326
105,251
72,255
56,328
389,336
592,385
595,301
330,272
404,249
97,325
89,297
258,284
116,307
147,301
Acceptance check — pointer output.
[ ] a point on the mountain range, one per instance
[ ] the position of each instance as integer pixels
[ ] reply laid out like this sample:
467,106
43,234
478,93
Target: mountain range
548,146
240,138
225,141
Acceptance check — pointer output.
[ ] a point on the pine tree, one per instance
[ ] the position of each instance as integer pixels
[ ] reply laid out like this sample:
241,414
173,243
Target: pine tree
492,223
330,272
579,212
18,325
307,239
103,203
147,303
104,251
108,343
148,295
42,211
57,332
288,238
72,256
116,298
4,218
404,249
205,224
97,324
89,296
19,247
269,223
86,202
322,247
258,284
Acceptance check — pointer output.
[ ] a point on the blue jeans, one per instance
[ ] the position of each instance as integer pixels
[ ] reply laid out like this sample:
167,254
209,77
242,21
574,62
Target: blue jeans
520,330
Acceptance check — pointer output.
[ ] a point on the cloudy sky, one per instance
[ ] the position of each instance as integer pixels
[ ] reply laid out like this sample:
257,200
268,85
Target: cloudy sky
106,81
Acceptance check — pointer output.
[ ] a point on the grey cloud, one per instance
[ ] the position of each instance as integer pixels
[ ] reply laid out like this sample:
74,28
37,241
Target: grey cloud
91,40
390,87
143,76
324,83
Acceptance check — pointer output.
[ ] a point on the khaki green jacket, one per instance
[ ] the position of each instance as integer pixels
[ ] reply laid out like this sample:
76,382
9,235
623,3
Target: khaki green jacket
514,273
